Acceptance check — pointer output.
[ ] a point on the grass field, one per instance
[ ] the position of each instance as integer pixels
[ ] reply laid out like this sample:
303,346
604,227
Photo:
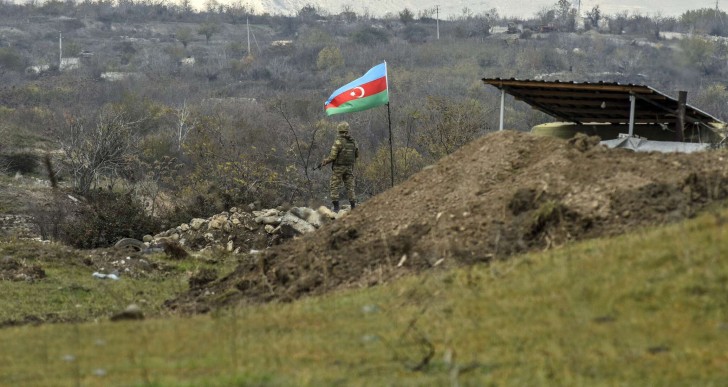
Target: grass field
645,309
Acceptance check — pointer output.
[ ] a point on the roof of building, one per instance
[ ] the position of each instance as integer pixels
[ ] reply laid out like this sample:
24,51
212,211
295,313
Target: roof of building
600,102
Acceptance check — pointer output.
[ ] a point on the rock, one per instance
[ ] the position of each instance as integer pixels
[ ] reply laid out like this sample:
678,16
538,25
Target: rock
274,220
230,246
174,237
326,212
269,228
236,222
209,236
251,206
251,225
197,223
292,225
301,212
316,219
215,224
147,238
266,213
132,312
233,210
184,227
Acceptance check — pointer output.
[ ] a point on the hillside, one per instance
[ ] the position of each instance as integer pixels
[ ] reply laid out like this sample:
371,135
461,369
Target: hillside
503,194
455,8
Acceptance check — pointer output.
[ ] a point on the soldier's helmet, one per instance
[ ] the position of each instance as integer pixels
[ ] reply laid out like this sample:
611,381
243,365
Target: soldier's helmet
343,127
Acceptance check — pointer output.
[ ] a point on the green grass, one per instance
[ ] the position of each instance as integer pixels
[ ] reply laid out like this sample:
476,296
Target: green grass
70,293
646,309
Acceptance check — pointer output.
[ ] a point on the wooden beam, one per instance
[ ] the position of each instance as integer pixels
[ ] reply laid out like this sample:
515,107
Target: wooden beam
682,101
623,120
614,112
581,101
569,86
575,94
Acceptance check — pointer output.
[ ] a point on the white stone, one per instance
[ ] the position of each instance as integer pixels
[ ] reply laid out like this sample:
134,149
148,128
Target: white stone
292,225
197,223
325,211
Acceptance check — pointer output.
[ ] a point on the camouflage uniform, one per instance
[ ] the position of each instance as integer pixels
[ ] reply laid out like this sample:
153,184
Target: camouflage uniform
343,155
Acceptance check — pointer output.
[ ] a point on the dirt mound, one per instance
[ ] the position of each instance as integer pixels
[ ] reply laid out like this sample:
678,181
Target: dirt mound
14,270
503,194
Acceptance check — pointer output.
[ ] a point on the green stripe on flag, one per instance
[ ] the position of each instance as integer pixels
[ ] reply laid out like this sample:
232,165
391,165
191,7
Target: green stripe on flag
357,105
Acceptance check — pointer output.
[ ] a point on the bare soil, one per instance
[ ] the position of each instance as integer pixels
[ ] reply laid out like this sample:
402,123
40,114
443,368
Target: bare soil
503,194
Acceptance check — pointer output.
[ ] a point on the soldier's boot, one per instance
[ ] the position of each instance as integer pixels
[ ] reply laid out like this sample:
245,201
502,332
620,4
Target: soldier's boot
336,205
353,203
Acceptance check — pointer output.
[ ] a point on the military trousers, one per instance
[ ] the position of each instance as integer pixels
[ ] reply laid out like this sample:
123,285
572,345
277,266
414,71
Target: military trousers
342,176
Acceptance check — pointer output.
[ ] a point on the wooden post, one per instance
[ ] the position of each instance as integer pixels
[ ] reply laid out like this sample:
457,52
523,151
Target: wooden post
682,101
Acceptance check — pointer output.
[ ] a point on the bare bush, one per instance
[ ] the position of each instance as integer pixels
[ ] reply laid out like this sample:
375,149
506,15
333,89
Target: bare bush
103,149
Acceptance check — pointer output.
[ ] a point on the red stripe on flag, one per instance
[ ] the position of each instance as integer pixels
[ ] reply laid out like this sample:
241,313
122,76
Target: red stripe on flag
369,88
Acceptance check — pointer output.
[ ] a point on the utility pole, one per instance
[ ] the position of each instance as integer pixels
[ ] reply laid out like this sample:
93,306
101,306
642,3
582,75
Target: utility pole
60,50
437,20
247,22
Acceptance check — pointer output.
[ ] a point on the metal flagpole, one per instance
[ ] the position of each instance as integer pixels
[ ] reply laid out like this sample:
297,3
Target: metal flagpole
391,148
502,108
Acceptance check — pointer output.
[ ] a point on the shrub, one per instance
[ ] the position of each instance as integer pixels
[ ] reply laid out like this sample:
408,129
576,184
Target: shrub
330,58
107,218
24,163
370,36
9,59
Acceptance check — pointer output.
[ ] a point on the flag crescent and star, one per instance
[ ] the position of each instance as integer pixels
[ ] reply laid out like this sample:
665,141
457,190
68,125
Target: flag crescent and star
371,90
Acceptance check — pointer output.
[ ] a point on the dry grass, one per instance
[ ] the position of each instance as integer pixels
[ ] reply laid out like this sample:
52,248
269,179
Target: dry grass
649,308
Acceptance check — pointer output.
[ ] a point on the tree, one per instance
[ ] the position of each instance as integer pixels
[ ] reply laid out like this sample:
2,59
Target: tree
566,16
370,36
347,13
184,35
701,53
185,123
448,125
103,149
406,16
375,176
208,29
330,58
308,13
594,16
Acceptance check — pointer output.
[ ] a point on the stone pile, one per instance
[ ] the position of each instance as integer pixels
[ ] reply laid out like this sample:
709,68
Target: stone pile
21,226
239,231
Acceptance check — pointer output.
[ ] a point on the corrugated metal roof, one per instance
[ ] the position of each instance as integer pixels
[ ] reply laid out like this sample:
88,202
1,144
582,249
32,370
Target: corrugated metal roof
606,102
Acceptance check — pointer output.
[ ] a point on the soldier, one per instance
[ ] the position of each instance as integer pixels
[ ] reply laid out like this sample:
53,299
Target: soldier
343,155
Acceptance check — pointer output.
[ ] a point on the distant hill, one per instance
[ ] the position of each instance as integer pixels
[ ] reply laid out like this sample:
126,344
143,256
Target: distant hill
455,8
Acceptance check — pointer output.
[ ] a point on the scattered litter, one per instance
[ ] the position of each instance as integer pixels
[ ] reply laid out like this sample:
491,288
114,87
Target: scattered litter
402,261
367,309
111,276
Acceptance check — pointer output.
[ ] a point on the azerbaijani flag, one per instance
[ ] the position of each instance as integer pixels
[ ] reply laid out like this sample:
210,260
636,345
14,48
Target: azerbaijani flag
369,91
